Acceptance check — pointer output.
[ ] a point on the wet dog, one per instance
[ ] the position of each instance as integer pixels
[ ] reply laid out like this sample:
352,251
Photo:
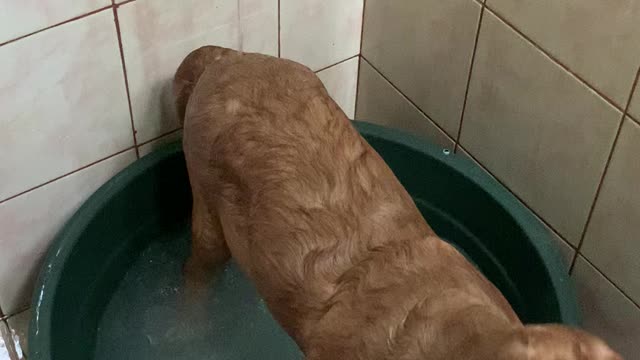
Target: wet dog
334,244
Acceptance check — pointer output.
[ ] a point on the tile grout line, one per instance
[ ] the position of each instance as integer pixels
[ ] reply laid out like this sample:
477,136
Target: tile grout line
336,64
279,29
160,137
550,227
610,281
605,171
364,9
555,60
355,105
65,175
17,312
405,97
597,195
57,24
471,65
126,80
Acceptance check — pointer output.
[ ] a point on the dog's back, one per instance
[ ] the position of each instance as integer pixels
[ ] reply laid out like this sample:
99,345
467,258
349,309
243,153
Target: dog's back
313,215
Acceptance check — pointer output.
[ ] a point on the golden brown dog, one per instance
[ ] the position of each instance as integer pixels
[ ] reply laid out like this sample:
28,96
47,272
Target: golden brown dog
335,245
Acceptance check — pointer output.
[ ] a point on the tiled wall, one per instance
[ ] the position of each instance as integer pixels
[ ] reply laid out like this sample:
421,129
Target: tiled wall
539,93
85,91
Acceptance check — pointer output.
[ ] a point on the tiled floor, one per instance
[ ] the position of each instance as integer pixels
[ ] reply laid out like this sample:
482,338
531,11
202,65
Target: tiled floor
5,343
13,336
19,327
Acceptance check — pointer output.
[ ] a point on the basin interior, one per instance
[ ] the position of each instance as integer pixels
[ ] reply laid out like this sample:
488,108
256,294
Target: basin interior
151,202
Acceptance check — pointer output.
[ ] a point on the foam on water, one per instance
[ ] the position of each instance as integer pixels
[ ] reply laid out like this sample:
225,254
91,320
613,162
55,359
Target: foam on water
143,319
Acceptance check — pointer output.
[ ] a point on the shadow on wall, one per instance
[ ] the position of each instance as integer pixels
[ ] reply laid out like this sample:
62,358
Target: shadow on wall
162,98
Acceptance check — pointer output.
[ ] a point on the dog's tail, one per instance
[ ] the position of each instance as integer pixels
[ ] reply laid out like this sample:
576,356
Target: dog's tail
189,72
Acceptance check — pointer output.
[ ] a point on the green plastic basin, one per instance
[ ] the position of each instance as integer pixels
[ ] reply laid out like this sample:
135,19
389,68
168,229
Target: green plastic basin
93,252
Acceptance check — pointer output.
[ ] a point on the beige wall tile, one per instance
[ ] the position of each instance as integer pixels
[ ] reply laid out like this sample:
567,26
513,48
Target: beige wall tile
341,82
19,327
319,33
30,221
538,129
21,17
158,34
63,102
380,103
424,47
606,311
634,110
612,241
151,146
599,40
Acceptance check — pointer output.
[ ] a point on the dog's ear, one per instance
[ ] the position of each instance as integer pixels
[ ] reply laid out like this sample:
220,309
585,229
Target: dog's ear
189,72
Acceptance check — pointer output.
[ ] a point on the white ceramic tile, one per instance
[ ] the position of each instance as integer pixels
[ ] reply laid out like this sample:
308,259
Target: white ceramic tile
63,102
6,347
158,143
22,17
380,103
19,328
612,242
606,311
259,26
30,221
424,47
537,128
158,34
319,33
597,39
341,82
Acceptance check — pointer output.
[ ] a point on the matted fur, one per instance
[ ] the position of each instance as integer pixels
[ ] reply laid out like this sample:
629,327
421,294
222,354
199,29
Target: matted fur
335,245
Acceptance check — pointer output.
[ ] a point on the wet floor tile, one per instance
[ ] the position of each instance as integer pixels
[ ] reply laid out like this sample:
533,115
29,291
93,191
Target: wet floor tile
6,349
19,327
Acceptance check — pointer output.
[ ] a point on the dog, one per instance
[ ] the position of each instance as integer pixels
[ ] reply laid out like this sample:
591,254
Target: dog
284,184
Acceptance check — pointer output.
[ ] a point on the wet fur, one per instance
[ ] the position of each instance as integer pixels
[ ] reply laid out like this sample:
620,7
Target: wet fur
346,263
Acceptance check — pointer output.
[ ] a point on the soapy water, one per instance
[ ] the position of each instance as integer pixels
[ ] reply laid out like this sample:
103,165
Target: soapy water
145,318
